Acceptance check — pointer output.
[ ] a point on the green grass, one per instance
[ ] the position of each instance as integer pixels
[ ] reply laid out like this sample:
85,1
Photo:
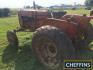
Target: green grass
11,59
79,11
23,59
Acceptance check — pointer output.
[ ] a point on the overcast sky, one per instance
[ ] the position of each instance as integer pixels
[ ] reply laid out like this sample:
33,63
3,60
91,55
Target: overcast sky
46,3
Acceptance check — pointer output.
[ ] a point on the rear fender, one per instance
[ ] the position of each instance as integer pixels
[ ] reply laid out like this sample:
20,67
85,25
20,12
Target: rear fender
68,27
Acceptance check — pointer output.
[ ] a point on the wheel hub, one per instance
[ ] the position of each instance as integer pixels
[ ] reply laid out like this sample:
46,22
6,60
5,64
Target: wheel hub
47,53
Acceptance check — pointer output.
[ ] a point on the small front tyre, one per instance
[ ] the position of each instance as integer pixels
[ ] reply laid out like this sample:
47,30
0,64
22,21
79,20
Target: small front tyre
12,38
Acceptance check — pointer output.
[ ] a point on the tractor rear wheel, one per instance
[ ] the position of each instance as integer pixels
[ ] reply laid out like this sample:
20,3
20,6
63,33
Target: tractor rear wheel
89,37
84,44
12,38
89,33
51,46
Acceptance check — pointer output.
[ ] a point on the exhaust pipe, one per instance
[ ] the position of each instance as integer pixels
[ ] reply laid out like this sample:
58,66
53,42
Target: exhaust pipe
34,5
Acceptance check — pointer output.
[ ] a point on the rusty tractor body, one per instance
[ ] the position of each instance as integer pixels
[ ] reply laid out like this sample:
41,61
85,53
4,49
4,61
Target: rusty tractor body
56,35
72,25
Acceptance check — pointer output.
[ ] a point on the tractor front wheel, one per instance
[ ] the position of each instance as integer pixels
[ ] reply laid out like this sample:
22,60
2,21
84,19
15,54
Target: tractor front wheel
12,38
51,46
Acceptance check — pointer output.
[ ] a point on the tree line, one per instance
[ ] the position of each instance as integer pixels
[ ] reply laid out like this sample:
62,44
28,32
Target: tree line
89,3
4,12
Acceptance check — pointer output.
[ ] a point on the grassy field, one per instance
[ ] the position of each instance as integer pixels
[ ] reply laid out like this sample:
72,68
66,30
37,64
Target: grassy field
22,59
80,11
11,59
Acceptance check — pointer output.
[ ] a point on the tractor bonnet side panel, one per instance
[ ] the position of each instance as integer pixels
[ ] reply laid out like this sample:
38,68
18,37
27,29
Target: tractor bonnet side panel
26,19
29,18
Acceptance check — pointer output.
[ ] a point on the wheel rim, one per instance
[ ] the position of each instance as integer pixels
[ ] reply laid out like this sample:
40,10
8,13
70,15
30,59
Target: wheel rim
47,52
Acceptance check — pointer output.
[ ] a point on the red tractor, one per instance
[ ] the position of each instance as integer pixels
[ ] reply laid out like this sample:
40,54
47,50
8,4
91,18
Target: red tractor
56,36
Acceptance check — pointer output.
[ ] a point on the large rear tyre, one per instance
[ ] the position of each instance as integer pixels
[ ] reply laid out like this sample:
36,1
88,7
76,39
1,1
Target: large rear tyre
89,33
12,38
88,38
51,46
